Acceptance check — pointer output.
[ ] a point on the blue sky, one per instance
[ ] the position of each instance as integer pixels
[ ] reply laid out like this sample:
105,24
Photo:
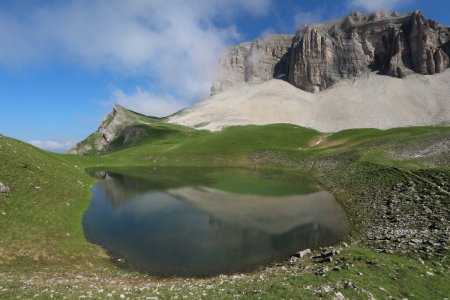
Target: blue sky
63,64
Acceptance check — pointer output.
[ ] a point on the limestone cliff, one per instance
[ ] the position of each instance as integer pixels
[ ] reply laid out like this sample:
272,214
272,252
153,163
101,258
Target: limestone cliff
254,62
120,124
320,55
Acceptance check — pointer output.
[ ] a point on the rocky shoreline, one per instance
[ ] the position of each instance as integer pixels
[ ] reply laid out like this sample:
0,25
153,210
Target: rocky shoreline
398,211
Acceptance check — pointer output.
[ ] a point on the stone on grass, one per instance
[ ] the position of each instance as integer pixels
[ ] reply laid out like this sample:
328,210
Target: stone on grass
4,189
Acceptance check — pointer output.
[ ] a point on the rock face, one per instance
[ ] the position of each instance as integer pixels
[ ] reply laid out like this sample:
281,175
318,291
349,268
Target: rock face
392,44
254,62
119,124
127,137
320,55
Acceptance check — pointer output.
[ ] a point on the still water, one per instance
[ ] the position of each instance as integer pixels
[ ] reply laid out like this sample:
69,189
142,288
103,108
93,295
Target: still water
199,222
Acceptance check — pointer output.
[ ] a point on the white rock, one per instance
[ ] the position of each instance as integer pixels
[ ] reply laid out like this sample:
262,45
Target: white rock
4,189
325,288
303,253
339,296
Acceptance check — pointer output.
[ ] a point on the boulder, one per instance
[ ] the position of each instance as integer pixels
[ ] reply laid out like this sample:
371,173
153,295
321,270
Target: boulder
4,189
303,253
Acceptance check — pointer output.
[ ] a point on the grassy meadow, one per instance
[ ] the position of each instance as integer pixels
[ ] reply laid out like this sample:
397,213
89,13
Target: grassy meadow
43,252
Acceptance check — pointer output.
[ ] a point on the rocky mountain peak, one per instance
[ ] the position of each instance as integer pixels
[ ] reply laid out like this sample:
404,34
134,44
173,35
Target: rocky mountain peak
320,55
120,123
117,109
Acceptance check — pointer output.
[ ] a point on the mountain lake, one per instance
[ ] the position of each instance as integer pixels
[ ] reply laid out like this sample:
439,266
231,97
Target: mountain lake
203,222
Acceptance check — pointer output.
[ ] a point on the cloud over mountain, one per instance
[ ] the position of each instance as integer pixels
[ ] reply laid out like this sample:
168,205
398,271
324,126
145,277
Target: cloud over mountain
173,43
372,5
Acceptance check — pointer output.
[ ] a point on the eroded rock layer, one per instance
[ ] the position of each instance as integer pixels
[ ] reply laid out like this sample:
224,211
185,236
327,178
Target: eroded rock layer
254,62
320,55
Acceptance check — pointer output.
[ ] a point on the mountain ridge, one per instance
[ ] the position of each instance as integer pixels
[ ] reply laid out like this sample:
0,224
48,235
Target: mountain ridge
320,55
362,71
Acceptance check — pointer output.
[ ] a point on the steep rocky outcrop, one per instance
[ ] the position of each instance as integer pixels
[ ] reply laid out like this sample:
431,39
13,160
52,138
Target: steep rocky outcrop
124,128
254,62
392,44
320,55
121,124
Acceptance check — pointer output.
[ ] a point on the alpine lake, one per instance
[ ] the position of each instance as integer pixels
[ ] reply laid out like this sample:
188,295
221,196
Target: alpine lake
206,221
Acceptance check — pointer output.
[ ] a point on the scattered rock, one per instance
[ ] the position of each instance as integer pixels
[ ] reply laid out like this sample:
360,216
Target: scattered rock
404,222
327,255
322,271
327,259
330,253
350,285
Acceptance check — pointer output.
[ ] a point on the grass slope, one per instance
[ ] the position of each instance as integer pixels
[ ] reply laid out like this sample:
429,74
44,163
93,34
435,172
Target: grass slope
41,218
43,251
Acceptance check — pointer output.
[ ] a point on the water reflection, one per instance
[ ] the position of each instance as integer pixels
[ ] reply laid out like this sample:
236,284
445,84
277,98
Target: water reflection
199,230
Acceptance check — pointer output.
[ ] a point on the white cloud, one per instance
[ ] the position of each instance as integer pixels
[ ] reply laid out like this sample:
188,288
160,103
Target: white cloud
51,145
304,18
148,103
372,5
173,42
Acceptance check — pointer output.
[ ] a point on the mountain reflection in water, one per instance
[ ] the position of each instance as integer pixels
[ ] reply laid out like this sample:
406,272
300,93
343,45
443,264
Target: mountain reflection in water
199,230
